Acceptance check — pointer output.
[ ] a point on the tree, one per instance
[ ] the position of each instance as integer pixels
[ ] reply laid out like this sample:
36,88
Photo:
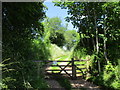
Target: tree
21,23
54,31
98,28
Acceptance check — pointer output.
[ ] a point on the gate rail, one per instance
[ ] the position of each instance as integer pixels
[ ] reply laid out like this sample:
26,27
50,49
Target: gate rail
63,67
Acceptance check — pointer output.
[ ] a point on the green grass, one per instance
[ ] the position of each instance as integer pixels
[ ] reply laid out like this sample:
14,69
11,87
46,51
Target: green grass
63,57
57,52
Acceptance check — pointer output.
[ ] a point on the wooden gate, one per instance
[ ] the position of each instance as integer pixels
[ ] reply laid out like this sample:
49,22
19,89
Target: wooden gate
70,66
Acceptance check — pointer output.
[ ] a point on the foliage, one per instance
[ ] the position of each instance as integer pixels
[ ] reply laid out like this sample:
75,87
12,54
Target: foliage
22,44
5,69
71,38
54,31
39,50
57,34
99,32
79,53
109,78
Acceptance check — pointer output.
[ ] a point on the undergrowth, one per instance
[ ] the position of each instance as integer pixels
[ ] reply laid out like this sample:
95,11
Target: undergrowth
108,78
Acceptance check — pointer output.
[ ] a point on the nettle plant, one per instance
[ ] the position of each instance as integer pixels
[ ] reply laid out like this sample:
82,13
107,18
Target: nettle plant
109,67
111,76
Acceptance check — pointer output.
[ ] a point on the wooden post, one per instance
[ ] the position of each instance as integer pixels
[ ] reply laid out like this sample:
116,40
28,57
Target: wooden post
73,69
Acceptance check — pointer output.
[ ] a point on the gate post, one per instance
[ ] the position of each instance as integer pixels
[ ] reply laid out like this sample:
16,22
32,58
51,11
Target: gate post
73,69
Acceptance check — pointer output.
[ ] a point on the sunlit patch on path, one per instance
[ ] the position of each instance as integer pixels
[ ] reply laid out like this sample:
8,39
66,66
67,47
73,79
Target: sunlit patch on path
81,83
78,84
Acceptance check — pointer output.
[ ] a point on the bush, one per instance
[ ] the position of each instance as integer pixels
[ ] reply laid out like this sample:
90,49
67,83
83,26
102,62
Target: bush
109,78
79,53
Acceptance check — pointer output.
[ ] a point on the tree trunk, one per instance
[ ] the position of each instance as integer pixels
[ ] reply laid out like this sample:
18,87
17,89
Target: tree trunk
93,43
104,41
97,42
81,40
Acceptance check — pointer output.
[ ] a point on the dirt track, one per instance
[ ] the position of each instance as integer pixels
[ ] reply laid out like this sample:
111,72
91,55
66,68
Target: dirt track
78,84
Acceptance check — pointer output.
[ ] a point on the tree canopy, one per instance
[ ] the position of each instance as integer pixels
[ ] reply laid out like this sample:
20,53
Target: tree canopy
99,30
54,31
